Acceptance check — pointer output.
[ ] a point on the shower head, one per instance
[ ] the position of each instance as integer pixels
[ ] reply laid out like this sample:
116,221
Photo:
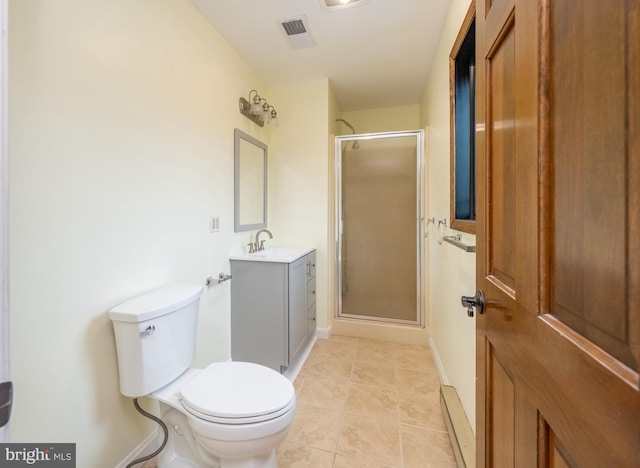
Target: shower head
356,144
347,124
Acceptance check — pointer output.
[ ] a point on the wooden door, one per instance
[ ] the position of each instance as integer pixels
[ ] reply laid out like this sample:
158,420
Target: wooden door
558,152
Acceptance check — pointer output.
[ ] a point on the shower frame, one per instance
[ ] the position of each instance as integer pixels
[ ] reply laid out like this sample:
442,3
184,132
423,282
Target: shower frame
419,135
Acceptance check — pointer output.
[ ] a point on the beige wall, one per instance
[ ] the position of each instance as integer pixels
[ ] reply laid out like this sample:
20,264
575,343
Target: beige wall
452,270
385,119
121,147
299,177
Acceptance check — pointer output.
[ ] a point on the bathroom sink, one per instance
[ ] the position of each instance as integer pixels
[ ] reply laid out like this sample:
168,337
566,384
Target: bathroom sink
274,254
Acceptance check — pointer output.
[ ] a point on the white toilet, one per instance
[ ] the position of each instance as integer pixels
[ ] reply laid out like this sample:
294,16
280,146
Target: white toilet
230,414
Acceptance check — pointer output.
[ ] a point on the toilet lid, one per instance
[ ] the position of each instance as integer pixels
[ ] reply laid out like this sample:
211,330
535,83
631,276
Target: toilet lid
236,390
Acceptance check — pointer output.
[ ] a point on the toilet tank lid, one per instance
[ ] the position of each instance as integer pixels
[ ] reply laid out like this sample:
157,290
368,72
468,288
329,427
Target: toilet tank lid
156,303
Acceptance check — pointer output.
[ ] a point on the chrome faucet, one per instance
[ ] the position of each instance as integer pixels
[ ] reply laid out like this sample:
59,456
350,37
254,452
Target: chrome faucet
259,244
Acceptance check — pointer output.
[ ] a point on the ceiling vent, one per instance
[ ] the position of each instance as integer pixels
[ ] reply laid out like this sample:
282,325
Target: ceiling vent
296,31
333,5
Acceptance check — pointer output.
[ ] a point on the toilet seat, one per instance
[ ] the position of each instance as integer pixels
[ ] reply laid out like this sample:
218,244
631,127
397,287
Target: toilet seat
237,393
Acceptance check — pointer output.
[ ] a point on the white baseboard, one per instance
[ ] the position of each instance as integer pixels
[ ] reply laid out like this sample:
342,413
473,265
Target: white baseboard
381,331
323,333
293,370
147,446
438,363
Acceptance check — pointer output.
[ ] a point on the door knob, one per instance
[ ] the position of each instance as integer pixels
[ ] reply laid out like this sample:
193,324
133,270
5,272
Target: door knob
476,301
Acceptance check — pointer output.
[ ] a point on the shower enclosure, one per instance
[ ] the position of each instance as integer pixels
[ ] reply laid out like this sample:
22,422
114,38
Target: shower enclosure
379,223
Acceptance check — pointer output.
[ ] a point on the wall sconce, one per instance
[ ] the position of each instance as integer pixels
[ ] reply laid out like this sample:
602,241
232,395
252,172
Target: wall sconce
257,109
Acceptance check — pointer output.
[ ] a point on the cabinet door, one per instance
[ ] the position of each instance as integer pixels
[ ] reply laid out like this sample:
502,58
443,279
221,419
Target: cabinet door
297,306
259,313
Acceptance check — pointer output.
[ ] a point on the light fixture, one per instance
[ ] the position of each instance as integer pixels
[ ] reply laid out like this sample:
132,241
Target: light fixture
332,5
257,109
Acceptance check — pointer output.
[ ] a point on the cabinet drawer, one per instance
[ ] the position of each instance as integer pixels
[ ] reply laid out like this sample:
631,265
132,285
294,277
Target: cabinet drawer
311,292
311,265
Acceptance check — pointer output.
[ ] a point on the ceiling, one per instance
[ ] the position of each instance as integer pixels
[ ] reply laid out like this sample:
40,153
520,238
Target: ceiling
375,54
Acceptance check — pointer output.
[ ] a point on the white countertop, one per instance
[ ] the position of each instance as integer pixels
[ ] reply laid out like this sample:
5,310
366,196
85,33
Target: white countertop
274,254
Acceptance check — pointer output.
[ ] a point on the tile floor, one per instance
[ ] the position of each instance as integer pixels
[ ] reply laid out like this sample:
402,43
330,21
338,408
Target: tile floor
364,403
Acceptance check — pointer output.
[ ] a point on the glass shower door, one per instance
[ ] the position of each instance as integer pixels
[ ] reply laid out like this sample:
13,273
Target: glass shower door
379,206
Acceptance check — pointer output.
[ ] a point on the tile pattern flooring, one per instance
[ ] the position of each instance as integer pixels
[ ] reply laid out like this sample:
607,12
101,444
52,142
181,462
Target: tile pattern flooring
364,403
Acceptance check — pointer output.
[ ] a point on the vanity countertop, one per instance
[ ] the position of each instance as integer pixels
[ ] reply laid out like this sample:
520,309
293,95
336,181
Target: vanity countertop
274,254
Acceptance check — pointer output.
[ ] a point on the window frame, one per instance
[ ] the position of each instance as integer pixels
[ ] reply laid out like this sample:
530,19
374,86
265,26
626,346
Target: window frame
464,225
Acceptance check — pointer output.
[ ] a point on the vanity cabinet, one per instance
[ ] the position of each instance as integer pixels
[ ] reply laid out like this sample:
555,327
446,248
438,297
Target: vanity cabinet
273,309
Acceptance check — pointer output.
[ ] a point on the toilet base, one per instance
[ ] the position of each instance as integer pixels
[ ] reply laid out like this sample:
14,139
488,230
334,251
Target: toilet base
266,460
184,451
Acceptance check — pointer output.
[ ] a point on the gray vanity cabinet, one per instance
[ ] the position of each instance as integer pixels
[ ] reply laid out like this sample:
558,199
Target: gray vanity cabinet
311,294
271,310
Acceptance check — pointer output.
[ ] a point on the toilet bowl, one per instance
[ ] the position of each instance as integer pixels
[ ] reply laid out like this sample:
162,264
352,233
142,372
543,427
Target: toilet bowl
236,412
229,414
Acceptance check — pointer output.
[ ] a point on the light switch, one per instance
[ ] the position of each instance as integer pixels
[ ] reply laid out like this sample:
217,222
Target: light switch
214,223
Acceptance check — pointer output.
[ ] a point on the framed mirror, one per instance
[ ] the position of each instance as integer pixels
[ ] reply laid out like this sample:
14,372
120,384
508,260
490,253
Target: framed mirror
250,184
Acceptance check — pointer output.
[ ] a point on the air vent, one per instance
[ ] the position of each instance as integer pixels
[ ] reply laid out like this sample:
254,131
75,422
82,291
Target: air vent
294,27
296,32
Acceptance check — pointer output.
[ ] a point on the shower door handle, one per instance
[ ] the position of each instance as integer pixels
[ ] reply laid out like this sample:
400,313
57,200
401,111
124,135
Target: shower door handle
476,301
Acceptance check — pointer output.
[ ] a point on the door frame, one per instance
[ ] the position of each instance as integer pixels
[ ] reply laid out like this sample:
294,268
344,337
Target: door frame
420,221
4,207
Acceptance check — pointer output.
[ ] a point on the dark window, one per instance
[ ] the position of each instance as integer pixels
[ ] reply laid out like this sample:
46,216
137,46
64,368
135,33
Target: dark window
463,124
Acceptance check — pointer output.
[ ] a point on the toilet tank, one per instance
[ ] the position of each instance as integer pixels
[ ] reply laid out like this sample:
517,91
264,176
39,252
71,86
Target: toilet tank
155,337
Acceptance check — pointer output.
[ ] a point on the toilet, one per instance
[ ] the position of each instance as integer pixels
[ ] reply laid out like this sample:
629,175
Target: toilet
229,414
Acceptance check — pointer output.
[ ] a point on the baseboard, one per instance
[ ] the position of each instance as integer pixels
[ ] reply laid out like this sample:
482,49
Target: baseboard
462,438
147,446
323,333
381,331
438,362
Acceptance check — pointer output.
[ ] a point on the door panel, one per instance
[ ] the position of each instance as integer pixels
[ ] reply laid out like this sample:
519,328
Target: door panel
556,458
501,133
558,256
589,158
501,391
